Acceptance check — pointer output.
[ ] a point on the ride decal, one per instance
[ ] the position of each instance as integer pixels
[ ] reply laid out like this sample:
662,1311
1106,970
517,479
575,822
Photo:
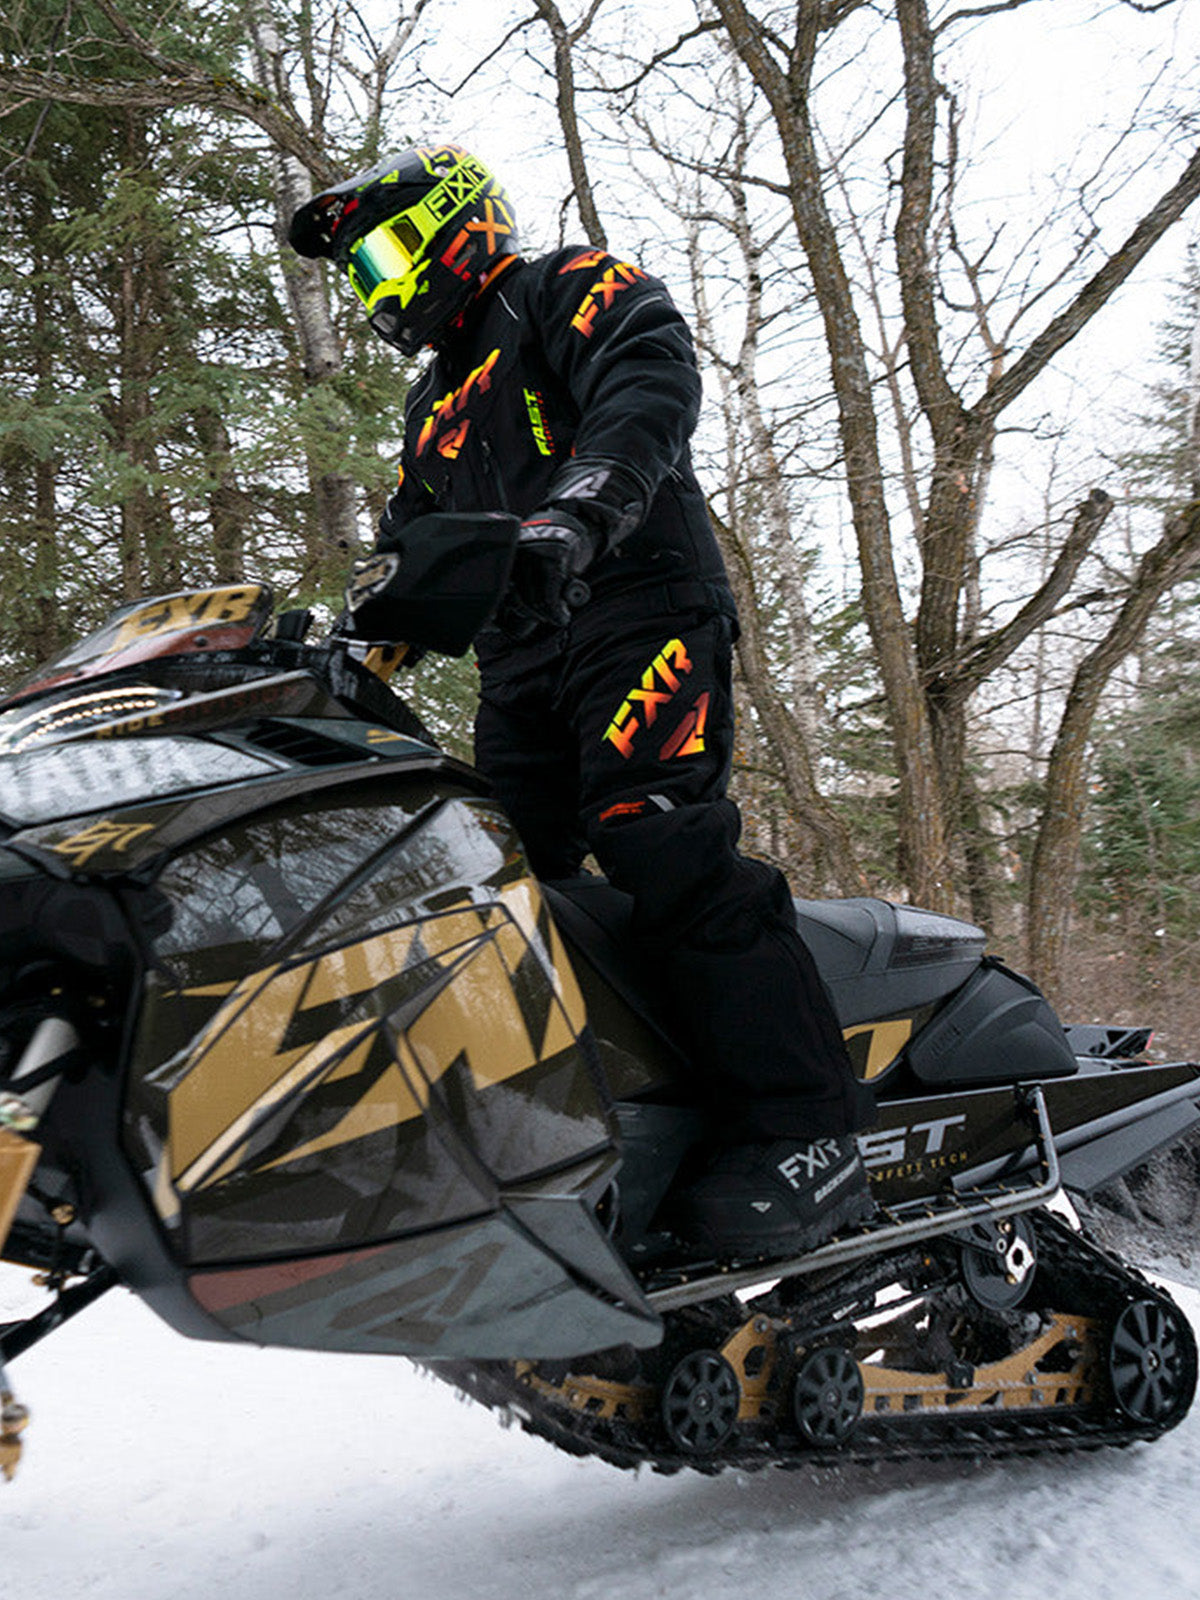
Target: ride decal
446,428
643,706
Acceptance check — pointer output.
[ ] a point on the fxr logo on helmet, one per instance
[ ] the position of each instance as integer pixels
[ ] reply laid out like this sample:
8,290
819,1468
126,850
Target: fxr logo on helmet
416,235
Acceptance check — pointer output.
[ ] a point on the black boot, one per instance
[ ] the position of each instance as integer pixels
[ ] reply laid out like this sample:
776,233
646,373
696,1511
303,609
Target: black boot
778,1199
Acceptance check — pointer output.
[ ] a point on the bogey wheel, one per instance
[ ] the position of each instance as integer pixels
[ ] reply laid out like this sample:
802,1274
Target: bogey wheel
827,1400
1149,1362
700,1402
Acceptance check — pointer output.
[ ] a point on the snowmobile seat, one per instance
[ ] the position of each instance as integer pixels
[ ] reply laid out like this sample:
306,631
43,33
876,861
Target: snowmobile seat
878,959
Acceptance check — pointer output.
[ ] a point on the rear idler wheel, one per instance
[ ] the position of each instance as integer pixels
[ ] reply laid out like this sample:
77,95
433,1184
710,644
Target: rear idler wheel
827,1398
1151,1363
998,1261
700,1403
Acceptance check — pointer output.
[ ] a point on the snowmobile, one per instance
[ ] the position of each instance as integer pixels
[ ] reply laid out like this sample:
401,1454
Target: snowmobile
294,1047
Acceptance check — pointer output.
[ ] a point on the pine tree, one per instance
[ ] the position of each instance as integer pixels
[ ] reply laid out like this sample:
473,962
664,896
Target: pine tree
158,426
1142,849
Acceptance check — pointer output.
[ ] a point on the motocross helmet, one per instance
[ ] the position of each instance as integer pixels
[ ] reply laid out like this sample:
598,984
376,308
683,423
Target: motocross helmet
416,235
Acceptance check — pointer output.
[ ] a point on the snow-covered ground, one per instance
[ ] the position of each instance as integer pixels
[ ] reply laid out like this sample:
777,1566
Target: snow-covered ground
161,1469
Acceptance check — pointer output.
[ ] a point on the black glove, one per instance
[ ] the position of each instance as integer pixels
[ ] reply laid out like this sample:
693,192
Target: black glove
553,548
610,496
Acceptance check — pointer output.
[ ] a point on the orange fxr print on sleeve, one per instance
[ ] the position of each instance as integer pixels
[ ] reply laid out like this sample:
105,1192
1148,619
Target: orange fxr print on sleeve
614,280
587,260
659,684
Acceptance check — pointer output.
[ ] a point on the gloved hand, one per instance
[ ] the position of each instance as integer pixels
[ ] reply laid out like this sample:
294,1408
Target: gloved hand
369,576
553,548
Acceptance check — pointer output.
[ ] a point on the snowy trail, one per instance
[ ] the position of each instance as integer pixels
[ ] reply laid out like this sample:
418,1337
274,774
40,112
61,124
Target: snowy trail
158,1467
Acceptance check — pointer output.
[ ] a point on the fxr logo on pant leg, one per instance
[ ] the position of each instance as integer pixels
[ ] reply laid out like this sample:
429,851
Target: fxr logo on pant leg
659,684
688,738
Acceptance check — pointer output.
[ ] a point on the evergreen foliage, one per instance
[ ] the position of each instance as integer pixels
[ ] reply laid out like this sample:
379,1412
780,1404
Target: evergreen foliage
157,427
1142,849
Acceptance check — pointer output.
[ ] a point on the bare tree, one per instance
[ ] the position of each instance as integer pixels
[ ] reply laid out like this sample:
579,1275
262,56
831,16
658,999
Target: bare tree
931,667
1174,557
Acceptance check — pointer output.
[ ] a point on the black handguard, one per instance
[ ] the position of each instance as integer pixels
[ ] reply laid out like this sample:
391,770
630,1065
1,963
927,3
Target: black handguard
553,549
441,588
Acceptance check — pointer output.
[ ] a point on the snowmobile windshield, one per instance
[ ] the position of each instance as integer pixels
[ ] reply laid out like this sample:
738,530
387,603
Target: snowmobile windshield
176,624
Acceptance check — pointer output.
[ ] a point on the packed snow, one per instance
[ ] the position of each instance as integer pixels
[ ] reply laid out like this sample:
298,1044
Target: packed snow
157,1468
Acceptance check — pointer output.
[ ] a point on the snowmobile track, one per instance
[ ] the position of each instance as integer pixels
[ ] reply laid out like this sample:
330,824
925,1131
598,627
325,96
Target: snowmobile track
1076,1278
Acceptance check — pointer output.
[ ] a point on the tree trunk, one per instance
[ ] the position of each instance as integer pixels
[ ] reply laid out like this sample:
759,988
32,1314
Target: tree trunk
1052,876
39,627
332,534
924,858
226,503
784,733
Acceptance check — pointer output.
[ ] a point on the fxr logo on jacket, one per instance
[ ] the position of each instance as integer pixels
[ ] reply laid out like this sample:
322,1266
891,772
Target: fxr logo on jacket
445,427
615,278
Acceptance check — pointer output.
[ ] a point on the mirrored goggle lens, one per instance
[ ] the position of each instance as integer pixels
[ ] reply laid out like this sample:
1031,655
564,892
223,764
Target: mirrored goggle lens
378,257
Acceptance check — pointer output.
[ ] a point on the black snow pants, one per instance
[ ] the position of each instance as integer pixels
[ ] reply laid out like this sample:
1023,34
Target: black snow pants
617,736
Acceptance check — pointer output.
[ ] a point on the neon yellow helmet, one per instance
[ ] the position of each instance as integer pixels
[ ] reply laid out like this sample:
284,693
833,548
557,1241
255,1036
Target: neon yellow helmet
416,235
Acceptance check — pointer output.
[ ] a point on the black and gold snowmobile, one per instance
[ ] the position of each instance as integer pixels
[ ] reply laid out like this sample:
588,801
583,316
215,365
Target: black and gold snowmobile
294,1047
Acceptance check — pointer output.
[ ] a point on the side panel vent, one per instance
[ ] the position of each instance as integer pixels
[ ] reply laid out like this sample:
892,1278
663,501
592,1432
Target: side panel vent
301,745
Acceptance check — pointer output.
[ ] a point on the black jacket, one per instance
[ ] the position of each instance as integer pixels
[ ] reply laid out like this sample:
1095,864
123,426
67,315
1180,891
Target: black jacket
571,358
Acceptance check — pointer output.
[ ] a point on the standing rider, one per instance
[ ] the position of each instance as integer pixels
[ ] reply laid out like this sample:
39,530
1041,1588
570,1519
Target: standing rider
565,390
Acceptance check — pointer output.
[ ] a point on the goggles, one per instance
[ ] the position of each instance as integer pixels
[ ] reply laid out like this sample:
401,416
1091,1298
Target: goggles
391,259
383,260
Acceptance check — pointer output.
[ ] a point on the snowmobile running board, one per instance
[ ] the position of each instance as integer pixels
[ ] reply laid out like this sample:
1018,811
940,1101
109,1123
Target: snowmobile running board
909,1223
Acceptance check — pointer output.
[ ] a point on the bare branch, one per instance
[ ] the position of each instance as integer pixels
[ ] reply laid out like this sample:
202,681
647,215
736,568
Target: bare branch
992,652
664,55
940,404
564,73
1094,295
980,11
518,27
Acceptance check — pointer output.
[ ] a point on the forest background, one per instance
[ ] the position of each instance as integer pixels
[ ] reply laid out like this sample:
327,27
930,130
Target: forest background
939,262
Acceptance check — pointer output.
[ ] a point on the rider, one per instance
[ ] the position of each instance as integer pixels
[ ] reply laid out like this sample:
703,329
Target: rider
565,390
